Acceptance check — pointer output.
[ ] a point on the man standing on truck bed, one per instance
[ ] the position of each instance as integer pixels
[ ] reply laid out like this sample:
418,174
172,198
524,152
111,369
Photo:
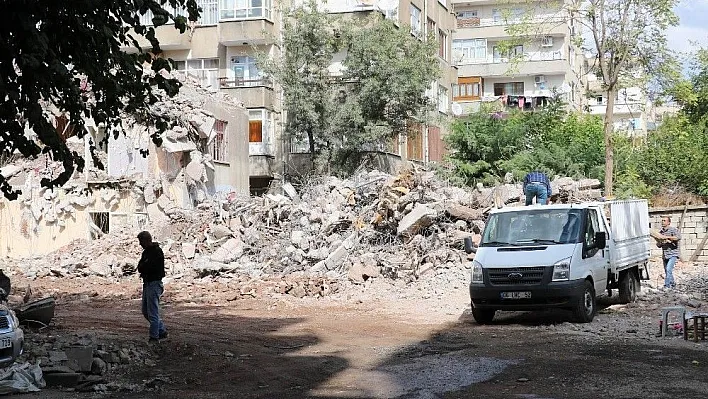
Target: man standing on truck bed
670,246
536,184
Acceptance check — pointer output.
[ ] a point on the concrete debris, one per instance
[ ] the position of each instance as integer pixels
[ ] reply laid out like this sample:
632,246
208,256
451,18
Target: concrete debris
371,225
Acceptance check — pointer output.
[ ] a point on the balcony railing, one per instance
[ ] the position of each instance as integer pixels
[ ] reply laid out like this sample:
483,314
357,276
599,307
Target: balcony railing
209,15
476,22
234,83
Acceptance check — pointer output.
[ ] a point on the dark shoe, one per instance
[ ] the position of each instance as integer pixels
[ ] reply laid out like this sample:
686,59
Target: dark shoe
163,335
153,340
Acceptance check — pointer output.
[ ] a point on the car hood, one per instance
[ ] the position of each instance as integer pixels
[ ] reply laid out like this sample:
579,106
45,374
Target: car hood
526,256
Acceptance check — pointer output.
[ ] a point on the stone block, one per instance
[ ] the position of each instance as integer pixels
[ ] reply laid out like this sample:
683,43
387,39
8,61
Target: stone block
419,218
83,355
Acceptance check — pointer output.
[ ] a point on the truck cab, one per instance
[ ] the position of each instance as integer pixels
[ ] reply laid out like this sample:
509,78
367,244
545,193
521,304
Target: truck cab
559,256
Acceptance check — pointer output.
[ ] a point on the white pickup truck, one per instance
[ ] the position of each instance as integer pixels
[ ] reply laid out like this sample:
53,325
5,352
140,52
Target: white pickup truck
562,256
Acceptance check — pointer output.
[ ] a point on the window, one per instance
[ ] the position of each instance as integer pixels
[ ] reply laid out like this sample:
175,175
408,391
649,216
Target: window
467,19
245,71
219,146
443,99
243,9
467,14
467,88
496,15
471,49
599,100
99,224
511,89
205,70
503,56
442,44
416,22
259,130
210,12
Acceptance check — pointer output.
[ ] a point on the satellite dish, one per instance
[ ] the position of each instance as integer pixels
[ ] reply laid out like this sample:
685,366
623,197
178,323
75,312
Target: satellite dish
456,109
387,5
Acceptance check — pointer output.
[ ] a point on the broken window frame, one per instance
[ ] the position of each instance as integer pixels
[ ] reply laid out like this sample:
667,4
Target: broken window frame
99,224
219,146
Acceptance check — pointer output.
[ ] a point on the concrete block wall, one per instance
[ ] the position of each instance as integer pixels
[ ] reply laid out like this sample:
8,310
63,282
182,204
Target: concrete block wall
693,229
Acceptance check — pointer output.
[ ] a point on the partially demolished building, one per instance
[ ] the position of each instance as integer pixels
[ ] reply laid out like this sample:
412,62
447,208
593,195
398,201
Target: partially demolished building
204,156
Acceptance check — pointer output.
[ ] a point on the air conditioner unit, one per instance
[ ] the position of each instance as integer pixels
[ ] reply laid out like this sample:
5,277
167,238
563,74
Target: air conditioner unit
547,41
539,79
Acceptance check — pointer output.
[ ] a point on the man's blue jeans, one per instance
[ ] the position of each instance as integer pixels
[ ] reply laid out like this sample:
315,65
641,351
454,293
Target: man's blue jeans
537,190
152,291
669,271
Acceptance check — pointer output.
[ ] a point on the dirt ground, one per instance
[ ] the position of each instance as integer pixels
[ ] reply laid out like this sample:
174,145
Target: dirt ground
373,342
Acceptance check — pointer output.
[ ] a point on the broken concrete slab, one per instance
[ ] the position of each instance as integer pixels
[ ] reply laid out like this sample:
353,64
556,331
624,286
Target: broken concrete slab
83,355
231,250
419,218
189,250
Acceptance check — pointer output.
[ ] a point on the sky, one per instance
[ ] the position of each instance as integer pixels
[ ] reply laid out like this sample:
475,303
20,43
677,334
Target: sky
693,26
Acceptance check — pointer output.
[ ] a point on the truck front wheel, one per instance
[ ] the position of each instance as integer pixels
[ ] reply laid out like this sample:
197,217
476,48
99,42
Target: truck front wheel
628,286
483,316
584,310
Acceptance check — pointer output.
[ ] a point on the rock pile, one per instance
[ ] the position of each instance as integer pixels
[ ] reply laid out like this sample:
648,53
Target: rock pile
81,362
370,225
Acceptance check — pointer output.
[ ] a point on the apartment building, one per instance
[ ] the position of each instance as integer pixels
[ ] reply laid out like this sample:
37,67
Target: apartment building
498,66
633,111
423,142
220,51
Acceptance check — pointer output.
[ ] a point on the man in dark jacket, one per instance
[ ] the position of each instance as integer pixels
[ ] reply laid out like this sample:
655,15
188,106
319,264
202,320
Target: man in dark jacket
152,269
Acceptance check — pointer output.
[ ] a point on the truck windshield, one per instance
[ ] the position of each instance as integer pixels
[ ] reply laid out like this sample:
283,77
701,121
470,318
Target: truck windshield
537,226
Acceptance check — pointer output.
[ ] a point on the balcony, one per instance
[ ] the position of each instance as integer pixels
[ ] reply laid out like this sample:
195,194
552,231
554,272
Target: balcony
247,31
476,27
255,93
522,68
261,165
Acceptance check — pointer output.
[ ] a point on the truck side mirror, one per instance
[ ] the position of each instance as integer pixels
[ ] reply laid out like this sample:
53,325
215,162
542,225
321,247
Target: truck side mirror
469,246
600,240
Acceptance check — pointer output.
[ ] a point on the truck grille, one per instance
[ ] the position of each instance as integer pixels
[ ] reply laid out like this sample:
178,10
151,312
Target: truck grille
516,275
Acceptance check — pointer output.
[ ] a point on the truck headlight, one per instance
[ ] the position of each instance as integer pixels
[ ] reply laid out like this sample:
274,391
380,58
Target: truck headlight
477,272
561,270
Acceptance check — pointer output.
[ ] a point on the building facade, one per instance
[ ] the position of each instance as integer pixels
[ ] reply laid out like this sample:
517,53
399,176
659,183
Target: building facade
517,54
220,51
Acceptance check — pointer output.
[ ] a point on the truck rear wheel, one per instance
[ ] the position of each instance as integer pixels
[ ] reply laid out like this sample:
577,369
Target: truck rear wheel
483,316
584,310
628,286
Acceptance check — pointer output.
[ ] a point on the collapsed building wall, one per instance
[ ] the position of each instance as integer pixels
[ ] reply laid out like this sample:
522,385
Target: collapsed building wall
140,184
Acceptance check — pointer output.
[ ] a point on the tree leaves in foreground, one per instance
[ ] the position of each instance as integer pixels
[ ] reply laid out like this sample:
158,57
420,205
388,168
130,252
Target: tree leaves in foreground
70,54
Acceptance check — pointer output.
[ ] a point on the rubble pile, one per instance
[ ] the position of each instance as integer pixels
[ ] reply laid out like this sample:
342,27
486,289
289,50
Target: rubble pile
370,225
83,362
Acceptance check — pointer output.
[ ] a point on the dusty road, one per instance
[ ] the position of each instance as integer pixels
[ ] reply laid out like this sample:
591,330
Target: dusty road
391,347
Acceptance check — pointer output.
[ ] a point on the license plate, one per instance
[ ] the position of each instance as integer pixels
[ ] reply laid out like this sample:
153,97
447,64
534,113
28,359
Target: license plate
5,343
516,295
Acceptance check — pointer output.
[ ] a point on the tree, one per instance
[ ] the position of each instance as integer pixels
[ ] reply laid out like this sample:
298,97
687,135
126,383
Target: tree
307,47
379,90
628,38
69,54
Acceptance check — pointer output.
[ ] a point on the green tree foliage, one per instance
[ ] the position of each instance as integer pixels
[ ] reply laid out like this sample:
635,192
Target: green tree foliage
628,37
70,54
380,89
485,147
